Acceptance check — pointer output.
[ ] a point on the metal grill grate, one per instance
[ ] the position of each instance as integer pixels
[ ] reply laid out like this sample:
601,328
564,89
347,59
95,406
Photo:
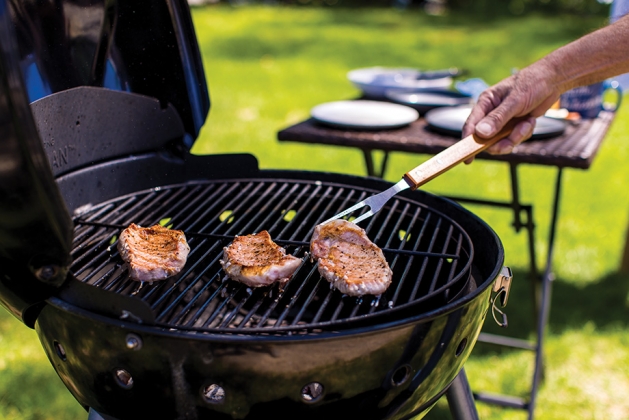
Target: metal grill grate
429,253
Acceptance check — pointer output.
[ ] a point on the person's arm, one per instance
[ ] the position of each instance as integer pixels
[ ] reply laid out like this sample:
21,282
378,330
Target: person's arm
590,59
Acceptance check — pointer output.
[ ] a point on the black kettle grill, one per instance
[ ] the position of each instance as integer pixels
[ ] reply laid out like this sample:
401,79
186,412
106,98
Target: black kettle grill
101,102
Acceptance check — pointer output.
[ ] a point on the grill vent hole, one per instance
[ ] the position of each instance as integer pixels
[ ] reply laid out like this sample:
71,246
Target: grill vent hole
400,375
213,394
312,392
123,379
61,352
461,347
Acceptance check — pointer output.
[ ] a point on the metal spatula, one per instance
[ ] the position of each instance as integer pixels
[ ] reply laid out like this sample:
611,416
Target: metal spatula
433,167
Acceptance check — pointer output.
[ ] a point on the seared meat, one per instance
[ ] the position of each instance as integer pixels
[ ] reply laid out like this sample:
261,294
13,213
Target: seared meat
256,260
349,260
153,253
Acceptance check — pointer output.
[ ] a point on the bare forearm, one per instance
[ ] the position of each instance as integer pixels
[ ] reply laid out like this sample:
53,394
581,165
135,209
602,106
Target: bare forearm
592,58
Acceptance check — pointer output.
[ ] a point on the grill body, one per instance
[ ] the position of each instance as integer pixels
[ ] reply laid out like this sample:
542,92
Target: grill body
389,371
394,365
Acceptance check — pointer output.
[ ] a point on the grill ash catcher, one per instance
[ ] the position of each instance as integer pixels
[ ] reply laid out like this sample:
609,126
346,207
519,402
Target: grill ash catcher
101,102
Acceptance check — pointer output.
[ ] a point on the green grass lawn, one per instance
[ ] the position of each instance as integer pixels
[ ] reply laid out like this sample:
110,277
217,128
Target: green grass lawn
268,66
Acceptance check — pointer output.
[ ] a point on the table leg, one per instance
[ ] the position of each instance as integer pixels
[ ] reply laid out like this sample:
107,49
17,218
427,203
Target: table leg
541,287
367,154
545,295
369,163
518,224
624,264
542,290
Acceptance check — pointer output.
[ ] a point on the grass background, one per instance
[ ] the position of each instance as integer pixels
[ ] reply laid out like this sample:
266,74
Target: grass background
268,66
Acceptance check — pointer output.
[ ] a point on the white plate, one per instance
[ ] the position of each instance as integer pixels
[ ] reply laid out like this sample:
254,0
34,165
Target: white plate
450,120
366,115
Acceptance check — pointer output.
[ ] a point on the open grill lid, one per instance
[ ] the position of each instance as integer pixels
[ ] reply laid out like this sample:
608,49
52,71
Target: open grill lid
82,82
138,46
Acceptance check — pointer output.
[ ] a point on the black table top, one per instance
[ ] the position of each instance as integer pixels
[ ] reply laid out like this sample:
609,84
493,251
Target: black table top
575,148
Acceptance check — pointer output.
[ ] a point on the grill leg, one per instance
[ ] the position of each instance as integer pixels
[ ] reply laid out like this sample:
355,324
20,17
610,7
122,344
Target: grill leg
93,415
460,399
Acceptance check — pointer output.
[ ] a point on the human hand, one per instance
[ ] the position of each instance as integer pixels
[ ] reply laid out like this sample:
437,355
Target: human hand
530,92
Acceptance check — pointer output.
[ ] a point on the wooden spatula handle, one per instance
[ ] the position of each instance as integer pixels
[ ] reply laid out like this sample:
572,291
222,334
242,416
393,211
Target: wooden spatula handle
455,154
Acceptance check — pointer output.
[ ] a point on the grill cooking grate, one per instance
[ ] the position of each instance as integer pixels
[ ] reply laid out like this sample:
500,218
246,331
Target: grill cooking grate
429,253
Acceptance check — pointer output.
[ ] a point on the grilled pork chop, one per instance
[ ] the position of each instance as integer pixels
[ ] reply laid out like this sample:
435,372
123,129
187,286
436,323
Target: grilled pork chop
256,260
153,253
349,260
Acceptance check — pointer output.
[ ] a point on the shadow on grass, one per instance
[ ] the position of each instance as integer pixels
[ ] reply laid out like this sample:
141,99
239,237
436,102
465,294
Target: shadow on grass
603,303
35,392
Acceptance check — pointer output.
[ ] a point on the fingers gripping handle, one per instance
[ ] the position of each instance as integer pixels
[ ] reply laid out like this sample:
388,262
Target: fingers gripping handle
462,150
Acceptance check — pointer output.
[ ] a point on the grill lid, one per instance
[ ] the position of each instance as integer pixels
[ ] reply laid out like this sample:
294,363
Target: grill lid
106,79
144,47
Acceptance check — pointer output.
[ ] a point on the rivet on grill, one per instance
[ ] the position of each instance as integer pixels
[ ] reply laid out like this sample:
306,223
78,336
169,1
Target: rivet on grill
461,347
401,375
48,273
61,352
134,342
123,379
312,392
213,394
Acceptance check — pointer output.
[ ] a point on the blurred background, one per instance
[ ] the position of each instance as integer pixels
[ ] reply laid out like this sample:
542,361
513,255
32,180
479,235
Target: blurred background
268,63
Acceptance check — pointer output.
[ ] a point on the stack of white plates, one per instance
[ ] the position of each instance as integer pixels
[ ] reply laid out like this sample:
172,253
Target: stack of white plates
375,81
